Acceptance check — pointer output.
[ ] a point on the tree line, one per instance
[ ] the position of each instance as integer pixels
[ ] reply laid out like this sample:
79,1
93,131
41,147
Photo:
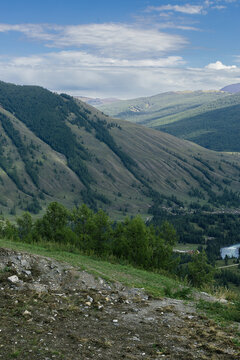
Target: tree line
130,241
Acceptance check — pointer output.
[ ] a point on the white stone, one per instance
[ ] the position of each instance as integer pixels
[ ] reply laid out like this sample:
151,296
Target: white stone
26,312
13,279
223,301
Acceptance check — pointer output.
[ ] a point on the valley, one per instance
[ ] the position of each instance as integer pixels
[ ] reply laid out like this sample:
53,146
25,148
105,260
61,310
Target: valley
210,119
120,180
57,148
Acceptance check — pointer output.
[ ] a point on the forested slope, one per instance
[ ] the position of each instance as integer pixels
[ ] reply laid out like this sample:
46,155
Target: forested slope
217,130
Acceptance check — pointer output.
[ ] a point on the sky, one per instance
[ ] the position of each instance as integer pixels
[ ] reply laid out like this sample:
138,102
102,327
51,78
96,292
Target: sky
122,49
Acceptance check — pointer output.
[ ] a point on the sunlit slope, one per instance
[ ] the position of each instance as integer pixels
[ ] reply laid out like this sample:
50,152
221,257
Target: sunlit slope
174,166
162,108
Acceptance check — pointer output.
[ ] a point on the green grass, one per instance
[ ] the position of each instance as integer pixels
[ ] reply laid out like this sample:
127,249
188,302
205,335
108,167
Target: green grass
155,284
221,312
231,261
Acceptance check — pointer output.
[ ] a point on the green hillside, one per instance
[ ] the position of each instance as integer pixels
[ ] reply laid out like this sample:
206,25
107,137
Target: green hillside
56,148
217,128
208,119
162,108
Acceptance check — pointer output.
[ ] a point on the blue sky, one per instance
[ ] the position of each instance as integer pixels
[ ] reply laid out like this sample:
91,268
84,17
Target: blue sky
120,49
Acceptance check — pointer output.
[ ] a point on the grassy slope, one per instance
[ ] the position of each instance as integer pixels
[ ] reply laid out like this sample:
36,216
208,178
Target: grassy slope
53,168
160,109
162,159
225,101
153,283
168,161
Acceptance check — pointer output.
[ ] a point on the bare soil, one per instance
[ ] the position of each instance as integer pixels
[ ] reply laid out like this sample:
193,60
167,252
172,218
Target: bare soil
53,311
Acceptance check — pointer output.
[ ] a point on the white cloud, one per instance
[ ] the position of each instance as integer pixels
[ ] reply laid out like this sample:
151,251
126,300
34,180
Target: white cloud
80,59
185,9
172,25
190,9
35,31
108,39
219,7
218,65
80,73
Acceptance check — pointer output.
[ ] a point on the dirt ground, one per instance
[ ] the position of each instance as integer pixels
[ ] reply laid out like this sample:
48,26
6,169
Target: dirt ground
49,310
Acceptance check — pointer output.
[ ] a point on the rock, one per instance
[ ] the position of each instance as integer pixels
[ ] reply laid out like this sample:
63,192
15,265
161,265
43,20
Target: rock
223,301
26,313
24,263
39,288
27,272
135,338
13,279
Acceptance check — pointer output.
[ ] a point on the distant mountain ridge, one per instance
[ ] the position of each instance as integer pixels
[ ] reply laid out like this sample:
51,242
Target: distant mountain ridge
210,119
161,108
232,89
56,148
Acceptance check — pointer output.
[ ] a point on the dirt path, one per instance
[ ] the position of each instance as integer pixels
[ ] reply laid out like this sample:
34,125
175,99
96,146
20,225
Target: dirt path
56,312
227,266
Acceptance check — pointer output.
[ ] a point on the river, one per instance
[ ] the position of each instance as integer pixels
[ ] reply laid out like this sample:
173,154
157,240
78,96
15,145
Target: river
230,251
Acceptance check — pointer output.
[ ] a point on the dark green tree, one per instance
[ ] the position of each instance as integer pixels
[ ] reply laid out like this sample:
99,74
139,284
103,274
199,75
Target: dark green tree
199,271
53,222
25,227
162,246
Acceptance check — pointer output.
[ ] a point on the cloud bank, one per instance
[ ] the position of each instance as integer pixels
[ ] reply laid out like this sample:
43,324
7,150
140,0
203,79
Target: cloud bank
79,73
110,59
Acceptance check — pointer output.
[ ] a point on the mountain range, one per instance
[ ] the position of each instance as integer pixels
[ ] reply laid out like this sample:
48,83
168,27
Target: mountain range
161,108
57,148
209,118
232,89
